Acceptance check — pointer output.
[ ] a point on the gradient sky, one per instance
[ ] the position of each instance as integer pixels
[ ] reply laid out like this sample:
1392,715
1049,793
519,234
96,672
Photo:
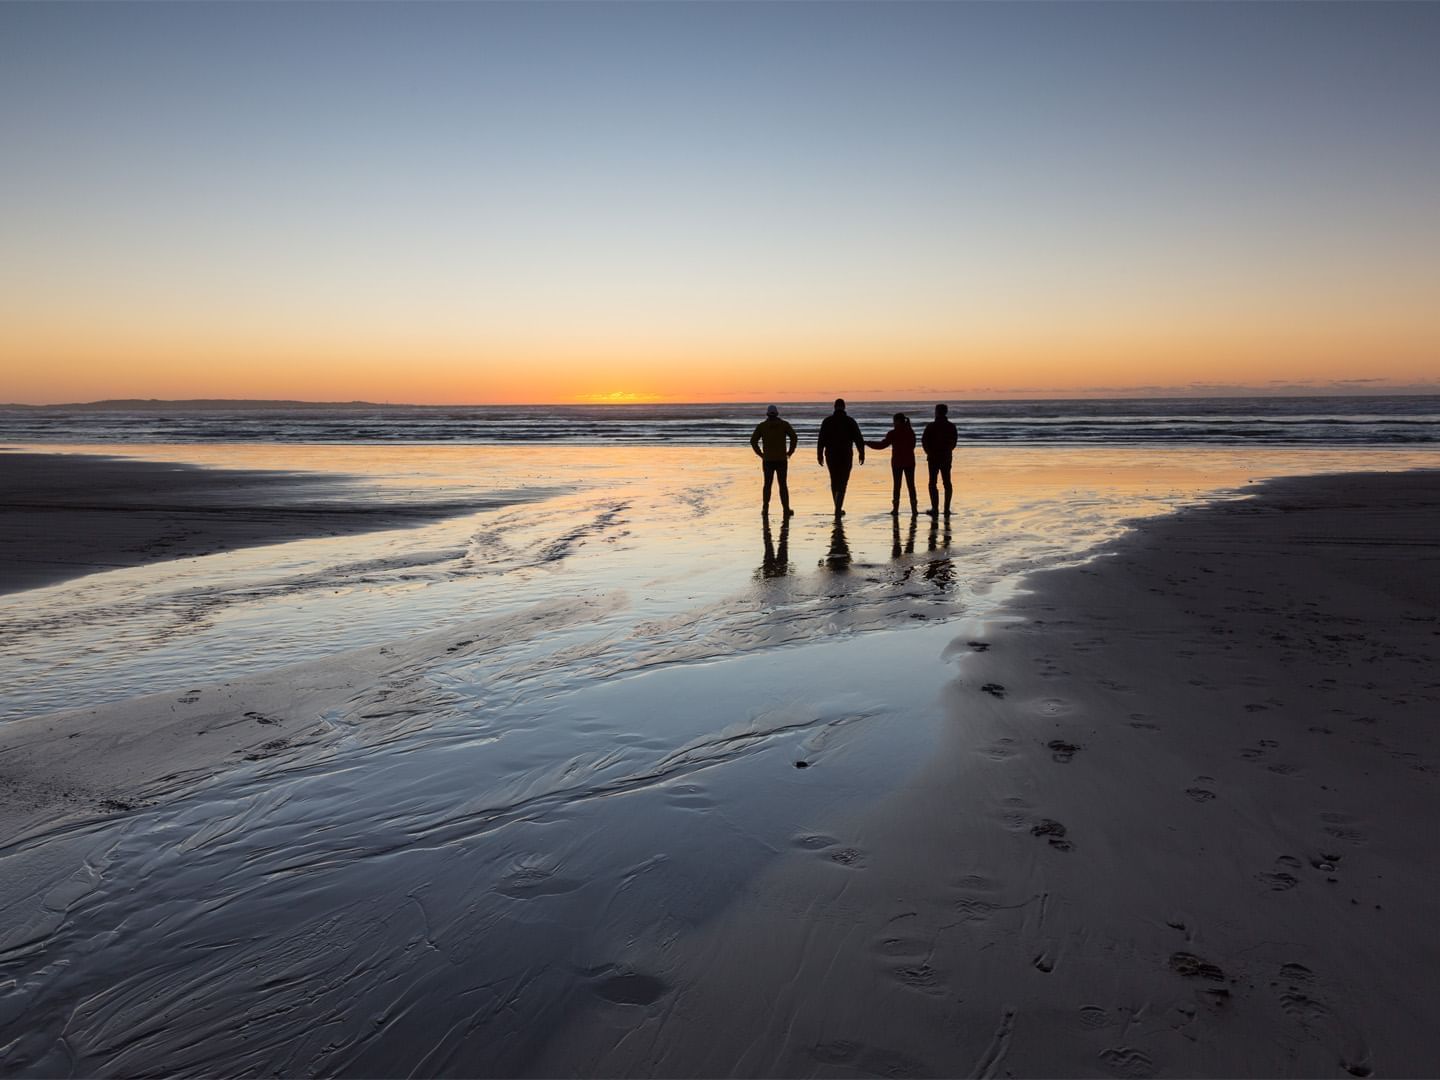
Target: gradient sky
541,202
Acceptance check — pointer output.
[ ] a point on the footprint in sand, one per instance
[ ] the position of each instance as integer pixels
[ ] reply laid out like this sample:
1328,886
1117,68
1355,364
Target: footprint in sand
1053,832
1199,794
1093,1018
1000,749
994,689
1062,751
974,908
1015,813
976,897
1127,1061
1300,999
921,977
848,856
1282,878
1189,966
1342,826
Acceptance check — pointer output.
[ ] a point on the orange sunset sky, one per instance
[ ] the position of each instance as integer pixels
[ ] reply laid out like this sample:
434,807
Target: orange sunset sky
512,203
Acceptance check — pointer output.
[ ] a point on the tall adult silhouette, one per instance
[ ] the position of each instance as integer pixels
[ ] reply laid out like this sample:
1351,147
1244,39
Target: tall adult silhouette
839,434
774,441
939,439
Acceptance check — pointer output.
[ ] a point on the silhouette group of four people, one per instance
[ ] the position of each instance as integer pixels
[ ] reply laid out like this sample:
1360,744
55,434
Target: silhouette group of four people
774,441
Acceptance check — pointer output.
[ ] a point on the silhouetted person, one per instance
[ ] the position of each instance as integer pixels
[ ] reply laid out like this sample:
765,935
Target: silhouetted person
777,560
901,440
838,435
939,441
773,442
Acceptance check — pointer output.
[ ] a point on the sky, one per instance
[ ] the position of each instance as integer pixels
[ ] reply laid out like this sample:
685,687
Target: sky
549,202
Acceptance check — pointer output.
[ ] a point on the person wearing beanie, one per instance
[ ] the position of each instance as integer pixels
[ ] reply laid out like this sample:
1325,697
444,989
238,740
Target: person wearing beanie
774,441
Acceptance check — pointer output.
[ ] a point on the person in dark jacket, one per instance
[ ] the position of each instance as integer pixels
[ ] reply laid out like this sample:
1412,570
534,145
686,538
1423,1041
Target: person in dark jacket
838,435
773,442
901,440
939,439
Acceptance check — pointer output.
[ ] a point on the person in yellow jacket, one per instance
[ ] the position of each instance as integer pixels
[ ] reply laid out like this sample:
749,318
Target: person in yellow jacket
774,441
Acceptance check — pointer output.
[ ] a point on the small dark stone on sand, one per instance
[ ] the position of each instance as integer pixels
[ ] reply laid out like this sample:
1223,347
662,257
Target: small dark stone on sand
802,764
994,689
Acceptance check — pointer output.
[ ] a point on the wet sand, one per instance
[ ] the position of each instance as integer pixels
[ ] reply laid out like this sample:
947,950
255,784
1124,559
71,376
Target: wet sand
1181,824
1169,813
63,516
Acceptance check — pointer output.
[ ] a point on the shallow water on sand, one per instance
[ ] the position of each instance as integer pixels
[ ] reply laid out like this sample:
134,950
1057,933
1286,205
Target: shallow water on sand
675,531
507,832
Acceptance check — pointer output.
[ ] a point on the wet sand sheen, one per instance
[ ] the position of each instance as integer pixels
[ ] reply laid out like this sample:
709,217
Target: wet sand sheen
1180,823
63,516
573,836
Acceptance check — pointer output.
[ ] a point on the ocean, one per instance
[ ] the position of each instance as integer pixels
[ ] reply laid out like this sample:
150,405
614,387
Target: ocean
1355,421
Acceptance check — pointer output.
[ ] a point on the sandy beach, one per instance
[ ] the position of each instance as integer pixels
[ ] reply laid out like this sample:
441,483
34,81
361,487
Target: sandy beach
94,512
1166,811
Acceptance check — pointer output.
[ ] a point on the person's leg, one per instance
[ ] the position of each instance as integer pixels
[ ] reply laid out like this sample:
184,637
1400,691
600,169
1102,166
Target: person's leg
769,469
909,483
839,481
782,471
934,468
895,473
945,476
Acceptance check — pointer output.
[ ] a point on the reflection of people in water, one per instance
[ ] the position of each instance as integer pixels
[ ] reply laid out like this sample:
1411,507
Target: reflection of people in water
939,540
838,434
777,560
773,442
838,557
901,439
939,440
896,548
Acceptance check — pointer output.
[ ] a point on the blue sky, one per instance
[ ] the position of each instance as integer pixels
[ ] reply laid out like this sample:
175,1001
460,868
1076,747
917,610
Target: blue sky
611,188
